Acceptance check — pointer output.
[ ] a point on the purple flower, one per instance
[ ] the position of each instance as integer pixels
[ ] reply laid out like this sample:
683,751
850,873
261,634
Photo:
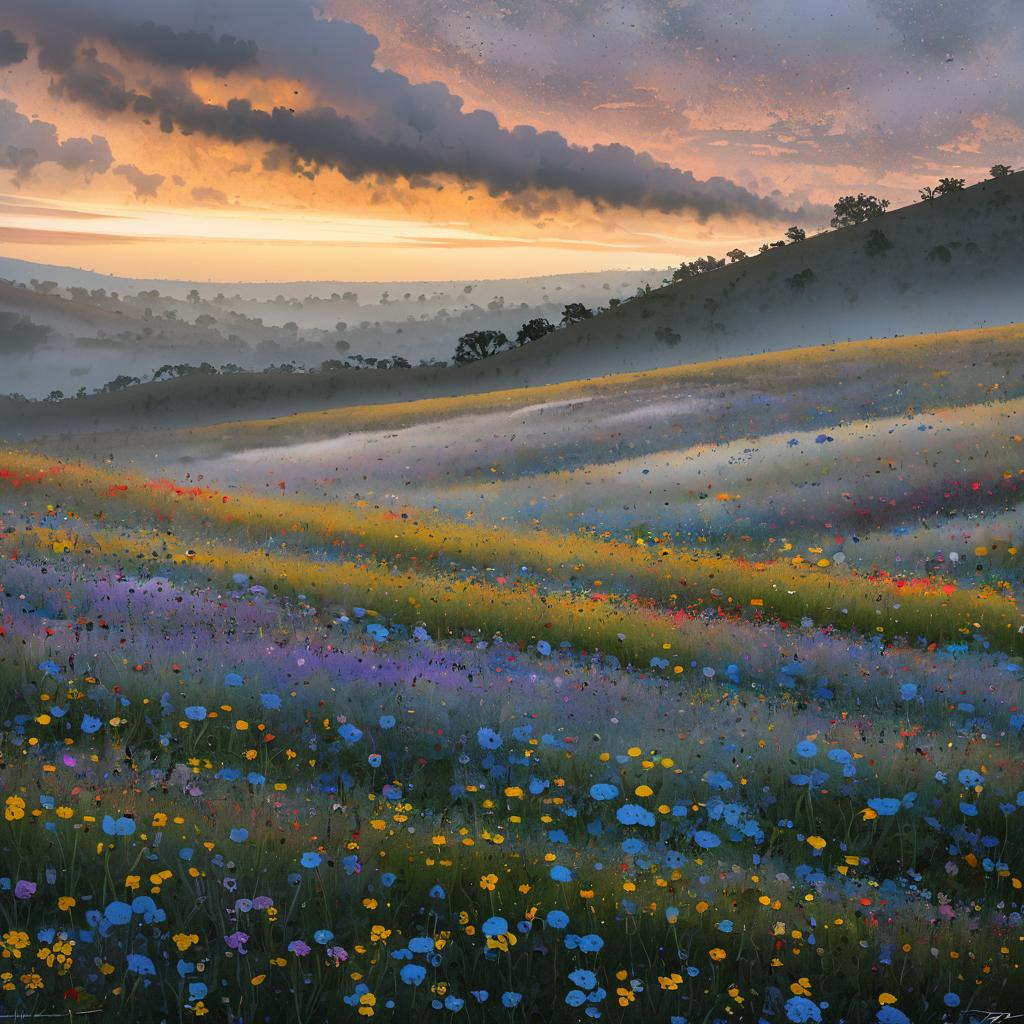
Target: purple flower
337,953
237,940
298,947
24,890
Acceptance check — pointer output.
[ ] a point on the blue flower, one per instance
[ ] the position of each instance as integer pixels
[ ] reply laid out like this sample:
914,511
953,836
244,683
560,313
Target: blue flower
510,1000
890,1015
560,873
140,964
413,974
574,997
799,1009
90,724
706,840
271,701
195,712
805,748
233,679
322,936
634,814
238,835
583,979
603,791
386,721
118,826
349,733
310,859
557,918
884,806
488,738
494,926
969,778
591,943
118,912
543,647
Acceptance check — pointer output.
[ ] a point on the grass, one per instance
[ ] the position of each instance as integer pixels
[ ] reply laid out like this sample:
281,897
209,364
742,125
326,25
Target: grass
685,582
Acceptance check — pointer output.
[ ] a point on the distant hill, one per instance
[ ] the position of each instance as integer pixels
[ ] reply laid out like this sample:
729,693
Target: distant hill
954,263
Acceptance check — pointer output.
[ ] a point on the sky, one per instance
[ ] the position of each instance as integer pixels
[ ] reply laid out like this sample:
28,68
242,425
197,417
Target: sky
438,139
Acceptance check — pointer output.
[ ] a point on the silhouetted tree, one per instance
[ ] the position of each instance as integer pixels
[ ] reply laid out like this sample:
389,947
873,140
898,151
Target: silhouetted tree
735,255
948,185
701,265
850,210
575,313
534,330
479,345
795,234
1000,170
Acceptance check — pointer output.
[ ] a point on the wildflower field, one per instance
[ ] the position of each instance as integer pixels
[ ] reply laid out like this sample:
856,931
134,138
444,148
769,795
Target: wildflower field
684,697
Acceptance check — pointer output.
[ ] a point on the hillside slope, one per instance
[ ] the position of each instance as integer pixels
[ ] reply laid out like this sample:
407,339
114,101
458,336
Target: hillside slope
950,264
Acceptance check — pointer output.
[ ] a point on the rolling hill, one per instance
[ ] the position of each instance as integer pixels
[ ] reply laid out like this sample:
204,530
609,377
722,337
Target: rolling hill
954,263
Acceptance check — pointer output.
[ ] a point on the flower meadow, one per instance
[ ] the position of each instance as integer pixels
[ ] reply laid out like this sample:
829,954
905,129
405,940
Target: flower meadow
283,758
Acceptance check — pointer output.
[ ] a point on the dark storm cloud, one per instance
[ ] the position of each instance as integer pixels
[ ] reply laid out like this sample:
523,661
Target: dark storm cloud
370,122
143,184
11,51
26,143
162,45
894,84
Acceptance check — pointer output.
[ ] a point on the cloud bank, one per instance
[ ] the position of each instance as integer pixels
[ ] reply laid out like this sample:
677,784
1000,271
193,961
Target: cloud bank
368,122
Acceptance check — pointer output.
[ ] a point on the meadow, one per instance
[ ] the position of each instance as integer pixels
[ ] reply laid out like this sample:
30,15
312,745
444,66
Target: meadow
691,696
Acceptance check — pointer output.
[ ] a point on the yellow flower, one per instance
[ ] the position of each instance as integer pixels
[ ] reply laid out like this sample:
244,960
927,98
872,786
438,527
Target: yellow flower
717,953
159,819
65,812
488,882
184,941
200,1009
12,943
816,843
626,995
14,809
66,902
378,933
886,999
671,982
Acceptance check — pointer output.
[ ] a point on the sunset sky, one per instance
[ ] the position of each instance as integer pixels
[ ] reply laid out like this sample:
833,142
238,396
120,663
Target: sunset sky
420,139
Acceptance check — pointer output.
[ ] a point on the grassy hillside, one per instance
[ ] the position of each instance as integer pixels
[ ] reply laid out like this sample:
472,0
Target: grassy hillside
951,264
